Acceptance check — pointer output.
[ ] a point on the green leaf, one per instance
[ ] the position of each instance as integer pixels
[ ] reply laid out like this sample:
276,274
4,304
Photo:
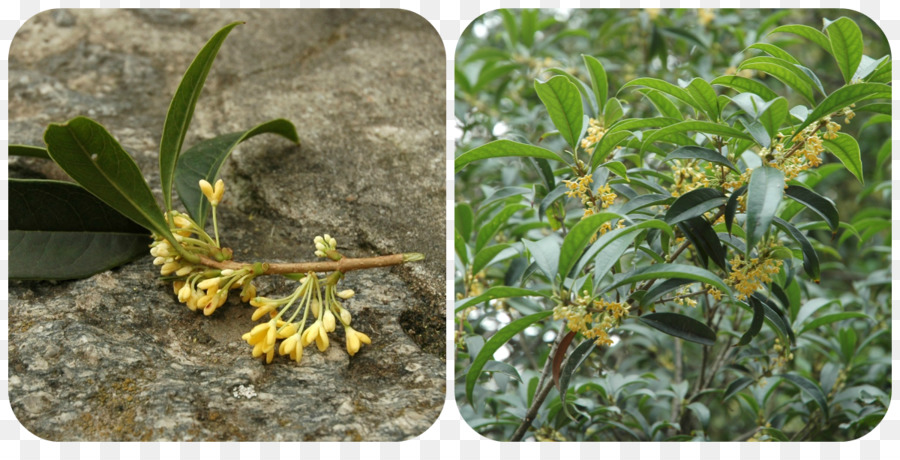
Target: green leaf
832,318
504,148
694,203
618,168
736,387
464,218
699,153
573,362
578,238
563,103
816,203
764,194
681,326
181,110
843,97
599,82
775,51
58,230
703,237
846,149
811,388
486,255
545,253
810,258
494,343
662,103
497,292
665,87
783,71
90,155
846,45
731,206
806,32
666,271
759,314
486,232
461,248
28,151
745,85
705,127
205,159
613,111
705,97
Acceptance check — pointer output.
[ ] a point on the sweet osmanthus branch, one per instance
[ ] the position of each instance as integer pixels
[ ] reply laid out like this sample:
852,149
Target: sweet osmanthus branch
344,265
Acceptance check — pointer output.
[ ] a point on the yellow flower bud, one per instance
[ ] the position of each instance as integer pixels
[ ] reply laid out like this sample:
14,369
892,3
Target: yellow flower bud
208,192
345,294
219,190
322,339
345,316
328,321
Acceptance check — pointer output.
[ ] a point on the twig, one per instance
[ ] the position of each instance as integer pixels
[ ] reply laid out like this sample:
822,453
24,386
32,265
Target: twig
543,389
344,265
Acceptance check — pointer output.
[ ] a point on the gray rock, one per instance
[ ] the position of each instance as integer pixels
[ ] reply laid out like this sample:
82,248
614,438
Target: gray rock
115,356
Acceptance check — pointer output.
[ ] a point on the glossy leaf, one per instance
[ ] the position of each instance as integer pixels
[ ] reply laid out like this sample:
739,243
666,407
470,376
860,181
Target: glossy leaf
816,203
705,97
846,45
464,219
599,82
563,103
504,148
90,155
486,255
497,292
846,149
810,258
666,271
832,318
579,355
578,238
494,343
488,230
545,253
181,110
663,86
759,314
58,230
764,194
784,72
775,51
694,203
701,235
705,127
28,151
681,326
806,32
811,388
205,159
662,103
745,85
692,152
843,97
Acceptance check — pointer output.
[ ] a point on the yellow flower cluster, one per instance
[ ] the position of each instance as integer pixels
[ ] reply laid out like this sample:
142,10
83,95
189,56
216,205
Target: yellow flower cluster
688,176
288,320
592,318
595,132
783,355
705,16
580,188
747,277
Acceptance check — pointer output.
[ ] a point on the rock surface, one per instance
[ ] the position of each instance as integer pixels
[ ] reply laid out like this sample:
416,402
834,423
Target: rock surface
114,356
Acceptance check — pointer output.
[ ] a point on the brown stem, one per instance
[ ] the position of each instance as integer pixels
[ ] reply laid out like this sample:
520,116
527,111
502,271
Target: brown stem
545,384
344,265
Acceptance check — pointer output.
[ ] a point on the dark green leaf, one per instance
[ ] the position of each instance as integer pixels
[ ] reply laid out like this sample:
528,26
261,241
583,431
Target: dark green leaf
705,97
494,343
464,219
681,326
810,258
816,203
846,45
665,87
563,103
735,387
666,271
764,194
497,292
205,159
783,71
694,203
181,109
811,388
504,148
90,155
486,255
28,151
57,230
661,289
759,314
486,232
461,248
573,362
704,239
698,126
700,153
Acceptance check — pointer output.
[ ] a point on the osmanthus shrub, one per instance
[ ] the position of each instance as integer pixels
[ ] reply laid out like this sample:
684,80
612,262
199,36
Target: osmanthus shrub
66,230
667,263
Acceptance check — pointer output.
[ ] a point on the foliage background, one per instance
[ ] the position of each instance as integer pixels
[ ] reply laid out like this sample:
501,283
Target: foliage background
637,376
